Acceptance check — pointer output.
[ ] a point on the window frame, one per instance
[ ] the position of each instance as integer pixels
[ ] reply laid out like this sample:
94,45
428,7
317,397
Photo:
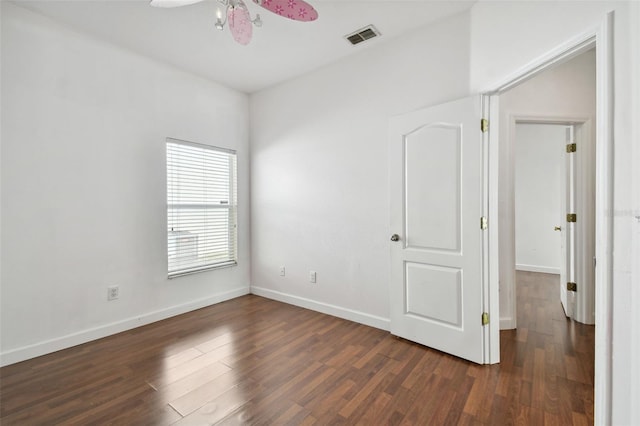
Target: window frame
174,207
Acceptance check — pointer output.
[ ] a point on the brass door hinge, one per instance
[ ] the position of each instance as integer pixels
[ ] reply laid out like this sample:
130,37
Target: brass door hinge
572,217
484,125
571,147
483,222
572,287
485,318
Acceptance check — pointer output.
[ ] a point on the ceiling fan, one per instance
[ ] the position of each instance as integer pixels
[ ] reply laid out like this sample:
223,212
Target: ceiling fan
237,15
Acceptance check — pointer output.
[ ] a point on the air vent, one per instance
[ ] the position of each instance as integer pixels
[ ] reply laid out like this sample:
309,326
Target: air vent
363,34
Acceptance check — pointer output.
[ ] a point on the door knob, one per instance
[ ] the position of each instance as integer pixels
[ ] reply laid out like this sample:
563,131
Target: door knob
557,228
395,237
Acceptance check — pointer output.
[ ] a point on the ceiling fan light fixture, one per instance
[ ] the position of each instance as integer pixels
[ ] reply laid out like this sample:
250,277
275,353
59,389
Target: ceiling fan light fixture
219,22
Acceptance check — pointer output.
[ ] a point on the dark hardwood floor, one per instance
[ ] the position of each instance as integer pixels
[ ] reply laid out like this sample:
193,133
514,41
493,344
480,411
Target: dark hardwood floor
256,361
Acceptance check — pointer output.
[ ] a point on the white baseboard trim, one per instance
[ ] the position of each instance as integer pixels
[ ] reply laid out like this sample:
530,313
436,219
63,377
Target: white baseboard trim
535,268
507,323
48,346
325,308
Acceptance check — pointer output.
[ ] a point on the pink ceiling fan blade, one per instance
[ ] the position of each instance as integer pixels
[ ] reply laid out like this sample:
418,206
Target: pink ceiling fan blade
240,23
298,10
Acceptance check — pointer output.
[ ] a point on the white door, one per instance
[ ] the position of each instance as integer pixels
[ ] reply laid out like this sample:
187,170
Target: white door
436,182
562,228
568,231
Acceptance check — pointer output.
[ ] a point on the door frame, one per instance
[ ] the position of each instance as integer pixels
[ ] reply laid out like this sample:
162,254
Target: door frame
600,37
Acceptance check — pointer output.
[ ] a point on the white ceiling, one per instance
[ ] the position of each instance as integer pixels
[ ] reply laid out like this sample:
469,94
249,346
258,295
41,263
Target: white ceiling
280,50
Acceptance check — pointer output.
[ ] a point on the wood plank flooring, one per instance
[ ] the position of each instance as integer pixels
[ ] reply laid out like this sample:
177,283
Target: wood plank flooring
253,361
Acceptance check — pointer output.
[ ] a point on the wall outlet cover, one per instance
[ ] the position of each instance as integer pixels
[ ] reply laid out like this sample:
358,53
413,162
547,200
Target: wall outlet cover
113,292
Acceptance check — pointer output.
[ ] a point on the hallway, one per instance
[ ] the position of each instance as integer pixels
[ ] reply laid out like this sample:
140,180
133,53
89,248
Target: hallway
553,355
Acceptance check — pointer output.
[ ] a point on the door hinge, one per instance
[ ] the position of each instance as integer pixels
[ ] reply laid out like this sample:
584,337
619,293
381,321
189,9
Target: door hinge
572,287
572,217
571,147
485,318
484,125
483,222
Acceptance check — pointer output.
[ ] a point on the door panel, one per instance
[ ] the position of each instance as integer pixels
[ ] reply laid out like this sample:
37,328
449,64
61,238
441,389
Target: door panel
434,293
436,204
422,170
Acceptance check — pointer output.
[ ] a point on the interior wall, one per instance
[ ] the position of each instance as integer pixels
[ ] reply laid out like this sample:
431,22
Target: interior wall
539,164
320,176
84,185
505,37
1,172
566,91
634,373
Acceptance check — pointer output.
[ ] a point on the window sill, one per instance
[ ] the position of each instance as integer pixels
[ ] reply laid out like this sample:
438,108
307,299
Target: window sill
201,269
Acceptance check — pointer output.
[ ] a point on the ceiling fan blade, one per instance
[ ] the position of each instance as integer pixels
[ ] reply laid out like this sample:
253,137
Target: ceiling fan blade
240,23
172,3
298,10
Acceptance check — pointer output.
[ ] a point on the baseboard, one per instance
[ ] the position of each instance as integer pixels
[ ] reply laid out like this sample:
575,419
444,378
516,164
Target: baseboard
325,308
535,268
27,352
507,323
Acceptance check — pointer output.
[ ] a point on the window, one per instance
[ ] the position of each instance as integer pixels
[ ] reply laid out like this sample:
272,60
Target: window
201,207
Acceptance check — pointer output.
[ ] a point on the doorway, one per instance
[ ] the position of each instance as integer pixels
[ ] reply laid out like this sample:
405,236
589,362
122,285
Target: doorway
564,95
539,188
553,186
499,155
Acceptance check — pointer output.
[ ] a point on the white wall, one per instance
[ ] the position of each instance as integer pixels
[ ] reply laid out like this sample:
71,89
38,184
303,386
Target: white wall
634,373
1,190
320,191
539,164
83,185
505,37
564,92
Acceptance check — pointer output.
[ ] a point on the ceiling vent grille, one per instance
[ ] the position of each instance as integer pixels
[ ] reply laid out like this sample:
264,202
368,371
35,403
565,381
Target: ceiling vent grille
363,34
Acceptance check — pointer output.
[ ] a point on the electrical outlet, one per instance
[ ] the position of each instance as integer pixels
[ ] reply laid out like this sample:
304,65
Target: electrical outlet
282,271
312,277
113,292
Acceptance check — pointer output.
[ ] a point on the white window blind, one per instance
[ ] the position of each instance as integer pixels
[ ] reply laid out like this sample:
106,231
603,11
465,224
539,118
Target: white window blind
201,207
